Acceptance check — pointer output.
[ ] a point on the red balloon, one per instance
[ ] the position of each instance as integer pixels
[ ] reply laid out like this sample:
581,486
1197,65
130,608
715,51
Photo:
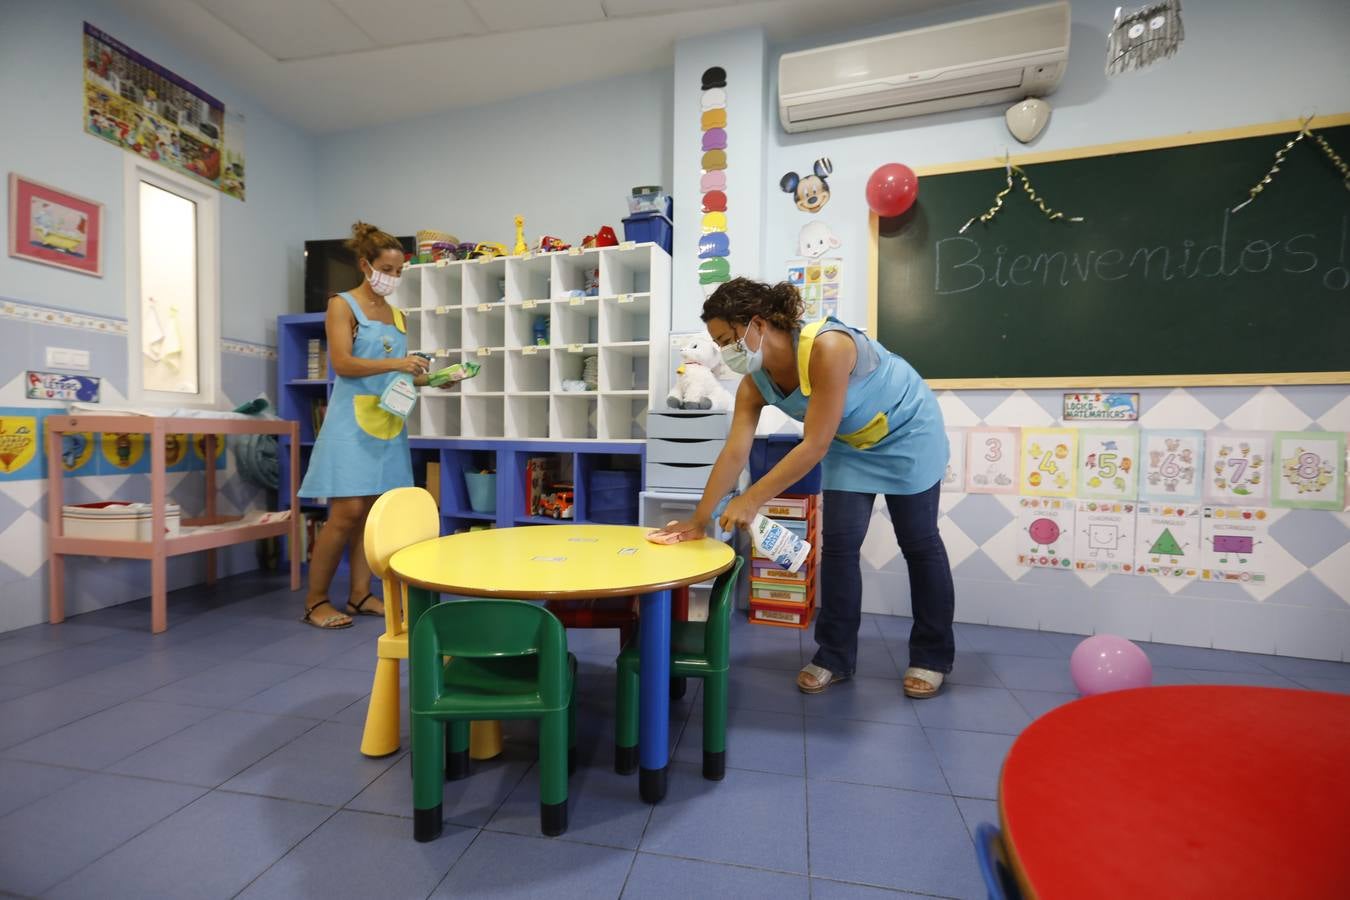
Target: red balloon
892,189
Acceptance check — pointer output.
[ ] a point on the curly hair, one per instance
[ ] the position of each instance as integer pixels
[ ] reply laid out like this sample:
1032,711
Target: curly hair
741,299
368,242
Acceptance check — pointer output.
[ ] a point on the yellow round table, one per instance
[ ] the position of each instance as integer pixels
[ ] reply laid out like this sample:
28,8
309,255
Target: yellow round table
576,562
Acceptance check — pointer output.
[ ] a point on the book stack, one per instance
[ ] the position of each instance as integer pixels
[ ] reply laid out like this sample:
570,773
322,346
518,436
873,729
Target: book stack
777,596
316,360
317,410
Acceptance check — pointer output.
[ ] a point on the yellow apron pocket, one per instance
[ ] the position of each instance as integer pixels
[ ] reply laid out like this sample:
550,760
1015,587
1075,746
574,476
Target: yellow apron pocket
373,420
870,434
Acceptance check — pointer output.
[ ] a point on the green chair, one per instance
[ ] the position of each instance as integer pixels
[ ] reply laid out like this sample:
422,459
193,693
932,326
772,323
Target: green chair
508,660
697,650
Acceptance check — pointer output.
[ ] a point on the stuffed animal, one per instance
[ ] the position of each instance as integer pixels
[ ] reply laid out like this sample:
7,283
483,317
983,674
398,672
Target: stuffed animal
699,385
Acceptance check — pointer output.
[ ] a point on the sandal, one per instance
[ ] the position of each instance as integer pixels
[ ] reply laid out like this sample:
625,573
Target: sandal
932,683
813,679
359,609
332,622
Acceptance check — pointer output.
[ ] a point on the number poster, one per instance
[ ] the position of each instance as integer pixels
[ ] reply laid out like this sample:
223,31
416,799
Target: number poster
1238,468
1049,459
1108,463
954,479
1173,465
991,461
1310,469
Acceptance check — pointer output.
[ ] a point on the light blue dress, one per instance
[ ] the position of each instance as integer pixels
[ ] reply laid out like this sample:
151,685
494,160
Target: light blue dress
362,450
891,438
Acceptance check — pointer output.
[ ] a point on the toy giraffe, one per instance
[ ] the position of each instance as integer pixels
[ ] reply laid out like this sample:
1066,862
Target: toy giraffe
521,247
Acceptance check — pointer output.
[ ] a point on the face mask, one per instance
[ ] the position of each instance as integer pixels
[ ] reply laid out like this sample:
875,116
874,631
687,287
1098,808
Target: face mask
741,359
382,283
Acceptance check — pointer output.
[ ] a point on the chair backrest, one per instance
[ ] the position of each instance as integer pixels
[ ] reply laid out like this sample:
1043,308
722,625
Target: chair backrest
717,633
400,518
479,629
998,881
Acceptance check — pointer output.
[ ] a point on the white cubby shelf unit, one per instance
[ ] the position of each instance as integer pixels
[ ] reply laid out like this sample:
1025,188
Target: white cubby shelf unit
489,312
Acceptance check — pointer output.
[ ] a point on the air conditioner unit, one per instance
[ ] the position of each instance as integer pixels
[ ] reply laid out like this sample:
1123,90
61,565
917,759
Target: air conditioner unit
999,58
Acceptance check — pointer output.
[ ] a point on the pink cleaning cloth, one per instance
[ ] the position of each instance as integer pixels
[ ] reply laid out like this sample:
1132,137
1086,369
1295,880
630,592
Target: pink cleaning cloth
657,536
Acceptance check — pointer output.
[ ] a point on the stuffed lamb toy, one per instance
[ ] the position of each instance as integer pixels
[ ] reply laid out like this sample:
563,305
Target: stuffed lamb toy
700,376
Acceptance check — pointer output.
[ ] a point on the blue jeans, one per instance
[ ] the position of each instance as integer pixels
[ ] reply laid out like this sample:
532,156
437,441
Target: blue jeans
932,644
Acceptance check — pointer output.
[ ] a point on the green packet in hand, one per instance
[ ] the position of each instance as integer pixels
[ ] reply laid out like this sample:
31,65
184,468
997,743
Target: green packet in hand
457,372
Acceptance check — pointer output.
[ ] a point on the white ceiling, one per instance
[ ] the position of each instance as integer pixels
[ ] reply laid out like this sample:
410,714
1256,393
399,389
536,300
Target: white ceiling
329,65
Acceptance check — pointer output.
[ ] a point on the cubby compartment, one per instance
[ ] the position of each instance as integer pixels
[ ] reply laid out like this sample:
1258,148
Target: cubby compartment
527,372
535,474
625,368
608,486
438,412
408,295
623,418
528,279
625,272
491,377
483,416
626,319
573,417
484,282
521,321
455,499
569,364
440,330
576,320
441,286
484,326
527,416
575,271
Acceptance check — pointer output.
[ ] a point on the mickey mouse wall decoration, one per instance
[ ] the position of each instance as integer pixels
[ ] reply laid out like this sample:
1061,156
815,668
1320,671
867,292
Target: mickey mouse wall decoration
812,192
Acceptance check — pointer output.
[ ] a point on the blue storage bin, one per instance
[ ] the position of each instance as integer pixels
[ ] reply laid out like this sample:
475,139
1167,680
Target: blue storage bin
649,227
767,452
482,489
613,497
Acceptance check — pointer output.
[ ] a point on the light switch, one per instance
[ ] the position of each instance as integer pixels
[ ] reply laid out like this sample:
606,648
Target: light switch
66,358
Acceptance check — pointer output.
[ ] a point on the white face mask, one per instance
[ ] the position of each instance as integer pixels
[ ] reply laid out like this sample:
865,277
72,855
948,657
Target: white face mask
741,359
382,283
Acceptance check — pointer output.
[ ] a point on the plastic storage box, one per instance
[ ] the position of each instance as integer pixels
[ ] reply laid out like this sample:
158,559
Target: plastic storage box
649,227
482,489
767,452
116,521
613,497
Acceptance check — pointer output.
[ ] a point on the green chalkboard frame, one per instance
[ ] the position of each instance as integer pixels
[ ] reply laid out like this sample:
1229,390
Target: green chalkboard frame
1287,127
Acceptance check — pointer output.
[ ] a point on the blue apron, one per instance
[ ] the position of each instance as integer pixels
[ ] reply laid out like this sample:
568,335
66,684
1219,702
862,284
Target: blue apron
362,450
891,438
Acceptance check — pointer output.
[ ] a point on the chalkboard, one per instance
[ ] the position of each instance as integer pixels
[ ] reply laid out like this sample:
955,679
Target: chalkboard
1161,284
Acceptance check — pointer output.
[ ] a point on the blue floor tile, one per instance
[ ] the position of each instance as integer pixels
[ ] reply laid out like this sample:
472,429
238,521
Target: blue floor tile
973,709
210,849
498,866
749,819
21,783
1252,679
323,765
1330,685
226,684
771,690
868,699
767,648
823,889
912,841
602,808
1032,673
872,753
147,672
1203,658
665,878
99,740
51,669
312,646
972,668
1010,641
976,812
214,750
56,836
39,712
313,694
970,760
469,802
389,864
757,740
1292,667
876,658
1038,703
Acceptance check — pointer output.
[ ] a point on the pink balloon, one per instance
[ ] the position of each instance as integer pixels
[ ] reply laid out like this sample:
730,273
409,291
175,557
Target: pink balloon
1106,662
892,189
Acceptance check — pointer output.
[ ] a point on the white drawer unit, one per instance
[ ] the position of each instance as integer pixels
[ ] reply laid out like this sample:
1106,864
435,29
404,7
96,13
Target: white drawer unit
688,424
682,446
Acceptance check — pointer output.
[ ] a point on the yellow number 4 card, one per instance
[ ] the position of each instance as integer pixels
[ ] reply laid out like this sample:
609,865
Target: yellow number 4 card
1049,461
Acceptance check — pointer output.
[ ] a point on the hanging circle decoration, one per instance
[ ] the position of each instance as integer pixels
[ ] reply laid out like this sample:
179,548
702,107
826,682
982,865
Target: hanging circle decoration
892,189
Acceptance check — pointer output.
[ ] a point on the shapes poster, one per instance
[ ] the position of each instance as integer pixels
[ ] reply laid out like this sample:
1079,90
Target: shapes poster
954,479
21,456
1045,533
1310,469
1173,464
819,281
1049,458
1167,540
1104,539
1233,545
1108,465
991,460
1238,468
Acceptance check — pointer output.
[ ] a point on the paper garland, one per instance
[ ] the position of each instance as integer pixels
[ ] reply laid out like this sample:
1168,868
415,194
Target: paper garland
714,266
1280,154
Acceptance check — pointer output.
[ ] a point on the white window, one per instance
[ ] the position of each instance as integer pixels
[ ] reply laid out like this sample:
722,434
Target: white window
173,283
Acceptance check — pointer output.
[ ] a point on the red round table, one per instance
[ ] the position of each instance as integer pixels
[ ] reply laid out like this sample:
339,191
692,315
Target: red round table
1182,792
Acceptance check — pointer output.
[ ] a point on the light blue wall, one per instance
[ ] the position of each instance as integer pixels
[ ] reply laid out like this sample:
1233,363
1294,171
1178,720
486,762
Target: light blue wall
563,159
261,239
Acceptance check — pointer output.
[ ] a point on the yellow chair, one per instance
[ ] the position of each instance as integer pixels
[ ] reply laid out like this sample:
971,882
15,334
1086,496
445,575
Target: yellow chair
399,518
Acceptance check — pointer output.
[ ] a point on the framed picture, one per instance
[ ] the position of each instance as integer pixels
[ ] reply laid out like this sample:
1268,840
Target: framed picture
47,225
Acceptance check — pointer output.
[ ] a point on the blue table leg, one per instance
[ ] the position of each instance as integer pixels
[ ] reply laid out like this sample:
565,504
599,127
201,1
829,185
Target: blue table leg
654,696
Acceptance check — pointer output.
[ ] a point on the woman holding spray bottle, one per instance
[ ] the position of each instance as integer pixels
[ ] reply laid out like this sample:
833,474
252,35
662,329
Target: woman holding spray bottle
876,427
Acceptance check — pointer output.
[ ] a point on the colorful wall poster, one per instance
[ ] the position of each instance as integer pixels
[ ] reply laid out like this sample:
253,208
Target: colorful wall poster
137,104
1233,545
1108,463
78,455
714,267
1167,540
199,451
1310,469
1173,464
991,460
1045,532
123,452
1083,406
819,281
1239,468
21,456
51,226
954,479
1049,457
1104,539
